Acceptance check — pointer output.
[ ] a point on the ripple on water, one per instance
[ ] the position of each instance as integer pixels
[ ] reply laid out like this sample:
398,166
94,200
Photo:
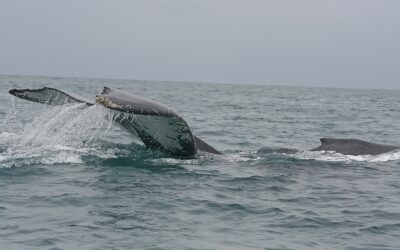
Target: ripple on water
69,179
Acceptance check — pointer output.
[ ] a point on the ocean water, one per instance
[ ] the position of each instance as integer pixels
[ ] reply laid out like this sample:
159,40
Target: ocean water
71,179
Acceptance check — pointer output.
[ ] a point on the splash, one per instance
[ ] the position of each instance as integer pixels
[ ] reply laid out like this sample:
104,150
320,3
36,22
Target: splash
71,125
60,134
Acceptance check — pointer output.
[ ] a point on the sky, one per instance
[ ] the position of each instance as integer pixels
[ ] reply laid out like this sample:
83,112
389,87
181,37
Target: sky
327,43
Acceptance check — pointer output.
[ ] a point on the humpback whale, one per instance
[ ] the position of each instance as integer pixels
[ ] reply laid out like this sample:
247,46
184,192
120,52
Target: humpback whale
157,126
161,128
353,147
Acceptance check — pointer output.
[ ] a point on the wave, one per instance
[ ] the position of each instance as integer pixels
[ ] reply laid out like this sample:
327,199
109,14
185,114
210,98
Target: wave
331,156
268,154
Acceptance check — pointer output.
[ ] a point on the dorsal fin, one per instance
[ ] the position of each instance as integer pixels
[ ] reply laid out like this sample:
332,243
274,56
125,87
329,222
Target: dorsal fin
325,140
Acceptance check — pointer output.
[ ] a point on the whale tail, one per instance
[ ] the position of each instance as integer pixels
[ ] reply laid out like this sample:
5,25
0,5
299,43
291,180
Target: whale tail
158,127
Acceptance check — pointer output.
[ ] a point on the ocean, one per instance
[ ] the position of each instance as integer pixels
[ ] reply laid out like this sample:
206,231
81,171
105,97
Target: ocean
71,179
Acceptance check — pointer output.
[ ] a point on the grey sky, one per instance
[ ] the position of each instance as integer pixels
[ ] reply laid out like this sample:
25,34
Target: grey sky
339,43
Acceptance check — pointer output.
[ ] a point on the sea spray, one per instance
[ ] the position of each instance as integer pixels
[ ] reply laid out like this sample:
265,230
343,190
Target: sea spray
59,134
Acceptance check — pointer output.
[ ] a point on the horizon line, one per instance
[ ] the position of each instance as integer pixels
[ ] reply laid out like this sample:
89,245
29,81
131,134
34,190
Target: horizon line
197,82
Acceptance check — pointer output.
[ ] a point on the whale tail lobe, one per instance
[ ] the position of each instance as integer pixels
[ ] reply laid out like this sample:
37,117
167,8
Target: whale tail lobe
49,96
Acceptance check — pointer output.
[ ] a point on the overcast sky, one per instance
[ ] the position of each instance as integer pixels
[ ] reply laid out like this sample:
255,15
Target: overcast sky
338,43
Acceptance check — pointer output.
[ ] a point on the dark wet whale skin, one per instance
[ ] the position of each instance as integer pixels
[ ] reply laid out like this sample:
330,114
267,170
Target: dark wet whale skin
182,145
353,147
121,101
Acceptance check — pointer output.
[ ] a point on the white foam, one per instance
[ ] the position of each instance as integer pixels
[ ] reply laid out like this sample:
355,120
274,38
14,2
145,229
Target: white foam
62,157
333,156
7,137
173,161
52,154
241,156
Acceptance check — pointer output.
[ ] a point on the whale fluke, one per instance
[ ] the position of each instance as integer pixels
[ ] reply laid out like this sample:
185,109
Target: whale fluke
158,126
353,147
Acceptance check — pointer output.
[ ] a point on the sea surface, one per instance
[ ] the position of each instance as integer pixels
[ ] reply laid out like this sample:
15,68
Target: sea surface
72,179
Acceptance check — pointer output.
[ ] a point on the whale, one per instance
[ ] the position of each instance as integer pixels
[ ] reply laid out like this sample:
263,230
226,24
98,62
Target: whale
353,147
156,125
161,128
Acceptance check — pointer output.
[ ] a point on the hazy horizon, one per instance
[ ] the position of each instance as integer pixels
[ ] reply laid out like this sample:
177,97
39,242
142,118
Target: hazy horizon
339,44
194,82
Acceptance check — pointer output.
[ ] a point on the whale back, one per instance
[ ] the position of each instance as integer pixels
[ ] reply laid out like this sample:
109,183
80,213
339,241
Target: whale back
353,147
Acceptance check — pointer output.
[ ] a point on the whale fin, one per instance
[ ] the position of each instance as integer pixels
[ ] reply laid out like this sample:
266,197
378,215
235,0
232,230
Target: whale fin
203,146
49,96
